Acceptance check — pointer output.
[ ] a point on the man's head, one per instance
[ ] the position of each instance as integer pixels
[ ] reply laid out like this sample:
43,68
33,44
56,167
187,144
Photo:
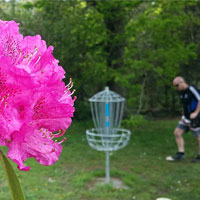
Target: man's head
180,83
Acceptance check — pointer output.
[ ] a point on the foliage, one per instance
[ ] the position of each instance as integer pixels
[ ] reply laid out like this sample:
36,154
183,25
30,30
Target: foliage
134,121
13,182
156,50
135,47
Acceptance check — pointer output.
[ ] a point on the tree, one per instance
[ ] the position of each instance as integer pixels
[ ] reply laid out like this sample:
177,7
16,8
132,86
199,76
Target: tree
135,47
156,52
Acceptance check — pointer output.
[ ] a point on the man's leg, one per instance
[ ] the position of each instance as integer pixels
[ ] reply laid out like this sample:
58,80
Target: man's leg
196,131
197,159
198,140
178,132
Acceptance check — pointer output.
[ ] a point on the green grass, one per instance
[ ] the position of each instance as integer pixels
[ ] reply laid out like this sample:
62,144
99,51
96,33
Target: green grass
141,165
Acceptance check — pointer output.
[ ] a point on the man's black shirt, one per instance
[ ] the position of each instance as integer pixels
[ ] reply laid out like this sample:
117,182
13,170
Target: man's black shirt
189,98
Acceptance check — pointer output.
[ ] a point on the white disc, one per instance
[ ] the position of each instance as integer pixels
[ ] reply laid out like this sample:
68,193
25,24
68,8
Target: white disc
169,158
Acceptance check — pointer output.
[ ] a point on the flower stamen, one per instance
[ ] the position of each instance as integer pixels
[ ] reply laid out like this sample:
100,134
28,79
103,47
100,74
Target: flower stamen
62,141
70,81
73,92
59,134
38,59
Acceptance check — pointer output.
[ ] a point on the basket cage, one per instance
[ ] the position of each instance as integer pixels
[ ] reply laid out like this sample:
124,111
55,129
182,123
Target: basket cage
107,111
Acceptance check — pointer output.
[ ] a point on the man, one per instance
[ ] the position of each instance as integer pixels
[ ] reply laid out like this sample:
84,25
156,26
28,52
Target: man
190,99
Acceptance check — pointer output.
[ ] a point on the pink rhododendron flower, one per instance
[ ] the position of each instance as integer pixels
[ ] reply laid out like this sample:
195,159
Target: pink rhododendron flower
29,142
34,101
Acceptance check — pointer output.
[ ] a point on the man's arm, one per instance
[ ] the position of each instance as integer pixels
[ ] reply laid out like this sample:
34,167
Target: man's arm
196,112
197,95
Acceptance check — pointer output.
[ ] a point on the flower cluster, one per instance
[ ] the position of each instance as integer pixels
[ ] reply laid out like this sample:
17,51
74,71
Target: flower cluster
35,105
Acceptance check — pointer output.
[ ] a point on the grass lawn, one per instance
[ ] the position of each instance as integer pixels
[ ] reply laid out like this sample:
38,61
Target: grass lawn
141,165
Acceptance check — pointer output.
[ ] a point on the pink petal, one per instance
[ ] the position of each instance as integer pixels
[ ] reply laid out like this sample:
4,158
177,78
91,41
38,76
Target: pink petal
35,143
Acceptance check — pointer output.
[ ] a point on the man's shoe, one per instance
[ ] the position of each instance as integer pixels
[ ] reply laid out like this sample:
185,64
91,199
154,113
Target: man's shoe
197,159
176,157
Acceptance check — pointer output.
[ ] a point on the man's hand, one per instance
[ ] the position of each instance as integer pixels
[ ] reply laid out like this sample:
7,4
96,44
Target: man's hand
193,115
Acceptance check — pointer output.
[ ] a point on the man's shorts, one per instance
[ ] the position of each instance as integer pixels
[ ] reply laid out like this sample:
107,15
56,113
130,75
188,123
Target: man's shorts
185,125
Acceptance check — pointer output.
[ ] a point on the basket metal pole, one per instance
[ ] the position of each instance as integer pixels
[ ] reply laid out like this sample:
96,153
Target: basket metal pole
107,167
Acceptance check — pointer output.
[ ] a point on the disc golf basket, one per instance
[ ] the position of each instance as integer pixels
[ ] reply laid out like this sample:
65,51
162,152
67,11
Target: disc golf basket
107,110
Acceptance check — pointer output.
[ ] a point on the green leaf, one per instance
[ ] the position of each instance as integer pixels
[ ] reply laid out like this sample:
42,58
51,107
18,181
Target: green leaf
13,181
